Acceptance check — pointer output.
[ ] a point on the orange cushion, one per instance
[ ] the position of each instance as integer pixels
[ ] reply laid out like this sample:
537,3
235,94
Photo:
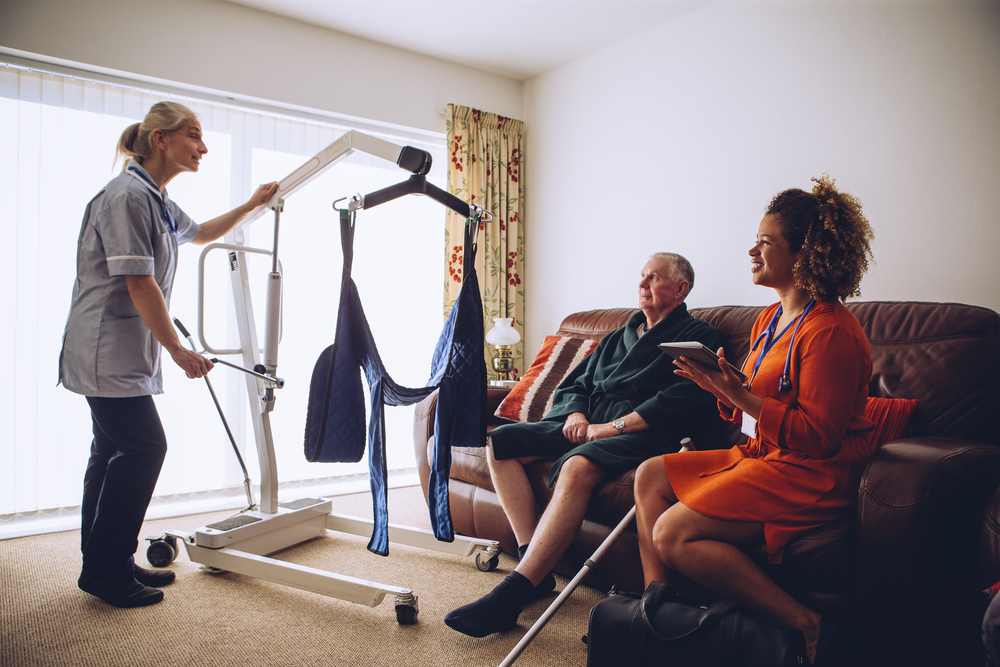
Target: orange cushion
531,397
893,418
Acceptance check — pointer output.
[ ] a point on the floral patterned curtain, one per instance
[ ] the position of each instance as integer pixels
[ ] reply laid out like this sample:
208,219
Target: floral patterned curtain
485,169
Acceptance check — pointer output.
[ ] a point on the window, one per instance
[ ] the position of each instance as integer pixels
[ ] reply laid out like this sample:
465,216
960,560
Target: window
58,131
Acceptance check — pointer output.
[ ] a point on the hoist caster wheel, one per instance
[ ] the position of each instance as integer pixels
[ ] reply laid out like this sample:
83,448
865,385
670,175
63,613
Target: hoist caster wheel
172,541
407,608
160,553
485,562
406,615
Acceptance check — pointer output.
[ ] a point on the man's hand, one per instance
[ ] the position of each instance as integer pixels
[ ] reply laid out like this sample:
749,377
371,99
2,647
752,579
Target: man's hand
575,428
599,431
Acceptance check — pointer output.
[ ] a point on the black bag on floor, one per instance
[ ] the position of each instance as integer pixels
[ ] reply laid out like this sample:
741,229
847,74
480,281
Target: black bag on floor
663,628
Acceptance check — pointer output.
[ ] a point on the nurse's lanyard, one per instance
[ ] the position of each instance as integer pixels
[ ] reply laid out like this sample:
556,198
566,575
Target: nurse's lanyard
151,186
785,383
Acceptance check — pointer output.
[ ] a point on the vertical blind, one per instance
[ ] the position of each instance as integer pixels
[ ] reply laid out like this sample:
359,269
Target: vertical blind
58,132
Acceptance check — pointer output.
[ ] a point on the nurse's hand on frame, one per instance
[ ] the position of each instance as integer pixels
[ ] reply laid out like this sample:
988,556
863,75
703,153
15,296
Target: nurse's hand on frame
193,364
725,385
263,195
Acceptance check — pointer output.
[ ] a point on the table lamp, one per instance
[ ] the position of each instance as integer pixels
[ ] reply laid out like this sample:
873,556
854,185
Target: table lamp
503,337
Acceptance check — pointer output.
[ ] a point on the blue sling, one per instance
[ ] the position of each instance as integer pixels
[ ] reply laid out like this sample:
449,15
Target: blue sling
335,429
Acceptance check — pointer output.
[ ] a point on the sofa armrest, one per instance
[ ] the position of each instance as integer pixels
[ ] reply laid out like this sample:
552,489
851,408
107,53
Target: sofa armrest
920,508
423,426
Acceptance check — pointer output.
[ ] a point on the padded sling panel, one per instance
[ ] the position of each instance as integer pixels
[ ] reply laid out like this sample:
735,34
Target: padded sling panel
335,429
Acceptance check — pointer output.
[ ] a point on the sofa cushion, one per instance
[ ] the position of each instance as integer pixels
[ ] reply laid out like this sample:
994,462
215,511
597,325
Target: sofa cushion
468,464
989,543
531,398
594,324
945,354
893,418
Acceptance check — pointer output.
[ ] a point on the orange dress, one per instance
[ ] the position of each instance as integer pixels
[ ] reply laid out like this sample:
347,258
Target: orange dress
803,468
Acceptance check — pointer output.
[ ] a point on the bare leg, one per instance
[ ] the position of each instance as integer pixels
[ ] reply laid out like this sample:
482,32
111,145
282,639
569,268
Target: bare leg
514,490
562,517
653,497
709,551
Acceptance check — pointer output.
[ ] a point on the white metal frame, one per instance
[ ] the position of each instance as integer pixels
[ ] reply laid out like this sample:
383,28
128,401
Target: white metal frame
273,527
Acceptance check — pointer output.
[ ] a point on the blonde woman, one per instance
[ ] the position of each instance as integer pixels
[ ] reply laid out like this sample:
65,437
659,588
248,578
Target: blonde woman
118,321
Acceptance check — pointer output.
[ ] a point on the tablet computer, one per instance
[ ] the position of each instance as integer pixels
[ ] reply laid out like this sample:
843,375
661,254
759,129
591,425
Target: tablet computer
699,353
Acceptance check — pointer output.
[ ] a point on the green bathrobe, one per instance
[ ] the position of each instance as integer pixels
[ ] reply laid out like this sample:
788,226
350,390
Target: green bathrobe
626,373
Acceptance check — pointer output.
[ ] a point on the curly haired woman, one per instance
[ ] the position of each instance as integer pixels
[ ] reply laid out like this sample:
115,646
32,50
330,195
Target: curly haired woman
802,410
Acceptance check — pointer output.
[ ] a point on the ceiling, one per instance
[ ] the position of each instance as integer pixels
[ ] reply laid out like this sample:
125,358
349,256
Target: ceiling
516,38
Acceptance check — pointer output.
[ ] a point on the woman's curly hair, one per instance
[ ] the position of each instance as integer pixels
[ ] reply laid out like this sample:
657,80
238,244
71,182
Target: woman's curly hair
829,231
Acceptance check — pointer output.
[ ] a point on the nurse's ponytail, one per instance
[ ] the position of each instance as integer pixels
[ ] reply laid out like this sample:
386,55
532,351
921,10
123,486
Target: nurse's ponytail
166,116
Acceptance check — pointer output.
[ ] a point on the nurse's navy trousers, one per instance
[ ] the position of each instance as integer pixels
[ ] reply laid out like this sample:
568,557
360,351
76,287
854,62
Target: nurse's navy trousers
125,460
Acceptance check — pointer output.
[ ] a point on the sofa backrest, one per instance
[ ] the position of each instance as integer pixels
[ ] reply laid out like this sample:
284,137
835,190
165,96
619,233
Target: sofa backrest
947,355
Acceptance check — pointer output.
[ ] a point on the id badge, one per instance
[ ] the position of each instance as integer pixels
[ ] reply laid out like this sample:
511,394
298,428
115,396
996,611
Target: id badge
749,427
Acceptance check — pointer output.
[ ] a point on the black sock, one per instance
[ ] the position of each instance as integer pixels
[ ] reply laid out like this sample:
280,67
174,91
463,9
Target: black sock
548,582
494,612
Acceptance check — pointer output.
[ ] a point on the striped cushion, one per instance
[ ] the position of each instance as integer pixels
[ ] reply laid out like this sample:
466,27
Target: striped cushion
531,398
893,418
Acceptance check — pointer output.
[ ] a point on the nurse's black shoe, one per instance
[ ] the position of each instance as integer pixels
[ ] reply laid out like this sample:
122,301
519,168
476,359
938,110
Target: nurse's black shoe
125,596
155,578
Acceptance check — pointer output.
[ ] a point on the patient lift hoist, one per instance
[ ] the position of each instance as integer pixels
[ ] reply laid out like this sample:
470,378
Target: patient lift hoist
239,544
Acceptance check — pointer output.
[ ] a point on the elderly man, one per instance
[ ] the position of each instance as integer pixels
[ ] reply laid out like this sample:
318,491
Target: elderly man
620,407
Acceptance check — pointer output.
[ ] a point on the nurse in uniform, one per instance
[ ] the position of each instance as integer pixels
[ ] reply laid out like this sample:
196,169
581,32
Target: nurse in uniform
118,323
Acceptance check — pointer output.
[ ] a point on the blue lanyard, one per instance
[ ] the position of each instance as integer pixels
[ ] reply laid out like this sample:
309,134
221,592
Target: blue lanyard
171,221
785,383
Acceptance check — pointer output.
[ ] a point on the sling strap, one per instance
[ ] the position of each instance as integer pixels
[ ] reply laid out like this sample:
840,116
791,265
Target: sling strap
335,429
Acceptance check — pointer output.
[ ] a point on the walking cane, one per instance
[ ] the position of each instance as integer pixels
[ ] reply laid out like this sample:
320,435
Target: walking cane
686,445
566,592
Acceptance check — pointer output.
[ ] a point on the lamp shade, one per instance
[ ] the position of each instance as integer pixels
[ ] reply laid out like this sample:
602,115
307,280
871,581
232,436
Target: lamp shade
502,332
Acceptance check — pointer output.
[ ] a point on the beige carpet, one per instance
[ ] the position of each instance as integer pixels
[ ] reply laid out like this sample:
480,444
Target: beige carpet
229,619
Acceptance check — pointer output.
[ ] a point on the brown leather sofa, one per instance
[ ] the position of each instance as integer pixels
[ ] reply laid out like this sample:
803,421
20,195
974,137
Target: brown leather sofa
908,572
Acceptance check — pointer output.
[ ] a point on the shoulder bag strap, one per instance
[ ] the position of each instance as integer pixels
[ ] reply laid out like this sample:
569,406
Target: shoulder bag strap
652,599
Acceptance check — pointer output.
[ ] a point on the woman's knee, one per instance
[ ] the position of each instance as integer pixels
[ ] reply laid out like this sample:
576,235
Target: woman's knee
669,538
680,528
647,474
652,482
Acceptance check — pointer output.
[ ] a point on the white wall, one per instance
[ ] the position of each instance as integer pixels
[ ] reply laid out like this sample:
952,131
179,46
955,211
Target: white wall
672,140
228,47
677,139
